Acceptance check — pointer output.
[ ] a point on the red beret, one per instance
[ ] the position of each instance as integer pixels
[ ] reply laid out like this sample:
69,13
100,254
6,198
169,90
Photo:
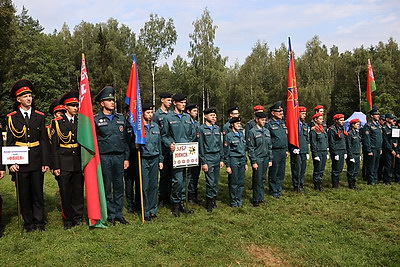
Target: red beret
318,107
338,116
258,107
354,121
302,109
316,115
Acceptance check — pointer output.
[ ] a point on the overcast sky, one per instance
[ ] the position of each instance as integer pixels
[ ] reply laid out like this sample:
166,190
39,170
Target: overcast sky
346,24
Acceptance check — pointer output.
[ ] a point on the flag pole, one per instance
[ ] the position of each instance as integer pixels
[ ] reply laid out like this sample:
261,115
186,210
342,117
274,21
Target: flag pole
141,185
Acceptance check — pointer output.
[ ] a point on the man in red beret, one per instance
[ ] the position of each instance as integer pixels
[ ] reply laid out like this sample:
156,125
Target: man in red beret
353,146
298,156
337,148
319,109
26,127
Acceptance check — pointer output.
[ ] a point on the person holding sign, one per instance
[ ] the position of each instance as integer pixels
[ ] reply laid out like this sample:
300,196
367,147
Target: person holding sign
178,128
235,160
211,155
259,147
26,127
152,161
66,160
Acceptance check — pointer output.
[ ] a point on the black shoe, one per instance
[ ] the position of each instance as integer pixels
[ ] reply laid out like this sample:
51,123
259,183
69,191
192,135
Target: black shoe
183,209
78,222
214,202
192,198
209,204
67,226
29,229
121,220
296,189
41,228
147,219
153,216
302,189
256,204
175,210
111,221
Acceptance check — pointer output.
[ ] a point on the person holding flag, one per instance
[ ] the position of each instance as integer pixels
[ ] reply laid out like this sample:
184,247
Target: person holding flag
299,156
112,134
66,161
152,161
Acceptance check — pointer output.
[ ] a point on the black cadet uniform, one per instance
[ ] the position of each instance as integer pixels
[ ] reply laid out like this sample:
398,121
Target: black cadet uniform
389,148
66,157
353,145
112,138
337,149
30,131
319,152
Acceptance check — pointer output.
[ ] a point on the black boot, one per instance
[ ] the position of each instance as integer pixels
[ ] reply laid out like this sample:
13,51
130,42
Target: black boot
209,204
316,187
175,210
214,202
335,184
320,188
192,197
183,209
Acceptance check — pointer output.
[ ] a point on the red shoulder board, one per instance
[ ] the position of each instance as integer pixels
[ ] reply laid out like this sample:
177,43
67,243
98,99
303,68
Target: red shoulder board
48,126
38,112
58,118
10,114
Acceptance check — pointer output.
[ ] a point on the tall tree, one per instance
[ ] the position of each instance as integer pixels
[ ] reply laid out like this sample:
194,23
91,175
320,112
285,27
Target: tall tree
208,64
158,36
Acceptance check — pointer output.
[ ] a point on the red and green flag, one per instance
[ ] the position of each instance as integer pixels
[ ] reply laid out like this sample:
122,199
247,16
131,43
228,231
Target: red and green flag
95,195
292,104
371,86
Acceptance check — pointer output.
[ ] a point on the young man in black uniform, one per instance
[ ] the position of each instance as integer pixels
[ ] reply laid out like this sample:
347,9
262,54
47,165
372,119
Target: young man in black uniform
26,127
66,161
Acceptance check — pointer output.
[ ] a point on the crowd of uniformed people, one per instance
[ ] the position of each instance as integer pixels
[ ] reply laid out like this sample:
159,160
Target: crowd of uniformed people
262,143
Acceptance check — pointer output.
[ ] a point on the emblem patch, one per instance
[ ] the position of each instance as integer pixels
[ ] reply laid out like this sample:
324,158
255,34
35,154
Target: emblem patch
121,128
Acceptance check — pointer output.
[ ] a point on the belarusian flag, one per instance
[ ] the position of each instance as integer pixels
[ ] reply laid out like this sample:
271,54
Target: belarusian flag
95,196
292,104
371,87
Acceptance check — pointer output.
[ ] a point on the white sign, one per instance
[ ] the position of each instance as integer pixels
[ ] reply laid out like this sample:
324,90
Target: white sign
15,155
186,155
395,132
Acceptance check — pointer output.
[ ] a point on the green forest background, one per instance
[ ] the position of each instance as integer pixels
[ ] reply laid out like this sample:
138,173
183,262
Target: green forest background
324,75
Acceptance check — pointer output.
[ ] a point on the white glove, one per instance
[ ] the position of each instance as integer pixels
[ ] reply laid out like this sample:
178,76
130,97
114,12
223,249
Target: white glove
317,159
353,160
345,156
307,156
360,158
327,156
337,157
296,151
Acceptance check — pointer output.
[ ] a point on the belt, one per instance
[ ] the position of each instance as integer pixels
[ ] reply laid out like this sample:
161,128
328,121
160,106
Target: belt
69,145
33,144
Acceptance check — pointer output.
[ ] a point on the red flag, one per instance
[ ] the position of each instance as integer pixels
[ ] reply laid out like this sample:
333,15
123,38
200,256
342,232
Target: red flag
134,101
292,104
87,138
371,86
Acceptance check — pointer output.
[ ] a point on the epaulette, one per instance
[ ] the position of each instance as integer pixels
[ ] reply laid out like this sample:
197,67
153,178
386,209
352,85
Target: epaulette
58,118
48,126
10,114
38,112
119,114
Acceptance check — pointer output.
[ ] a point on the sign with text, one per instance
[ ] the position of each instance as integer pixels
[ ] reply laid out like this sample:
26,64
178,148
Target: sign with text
395,133
186,155
15,155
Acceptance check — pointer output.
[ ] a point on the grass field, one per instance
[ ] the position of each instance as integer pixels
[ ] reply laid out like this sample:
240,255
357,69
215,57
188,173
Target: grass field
331,228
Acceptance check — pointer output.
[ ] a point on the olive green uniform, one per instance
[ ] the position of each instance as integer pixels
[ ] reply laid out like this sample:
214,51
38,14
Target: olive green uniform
151,157
337,149
259,147
353,144
319,151
372,143
276,172
211,153
112,138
